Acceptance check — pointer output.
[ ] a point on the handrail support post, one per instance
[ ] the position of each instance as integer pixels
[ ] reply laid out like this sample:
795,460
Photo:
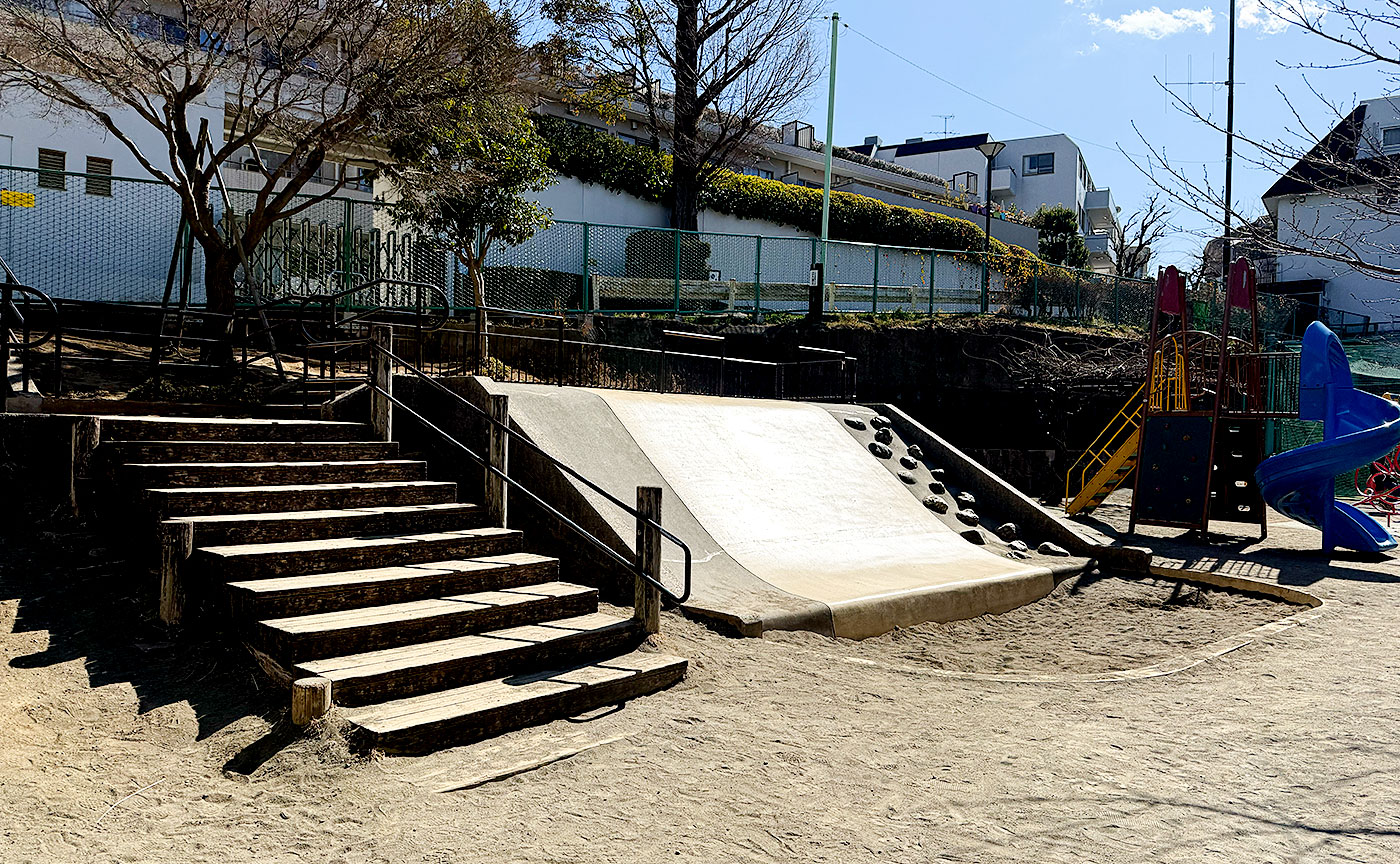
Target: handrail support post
381,416
647,597
498,458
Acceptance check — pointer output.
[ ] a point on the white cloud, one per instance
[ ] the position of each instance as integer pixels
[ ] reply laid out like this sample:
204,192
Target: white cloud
1092,49
1156,24
1261,14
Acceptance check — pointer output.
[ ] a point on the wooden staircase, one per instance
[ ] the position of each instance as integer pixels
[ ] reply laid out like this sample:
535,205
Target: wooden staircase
333,558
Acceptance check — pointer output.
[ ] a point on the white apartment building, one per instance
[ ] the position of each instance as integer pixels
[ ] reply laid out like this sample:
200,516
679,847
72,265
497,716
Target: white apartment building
1316,202
1045,170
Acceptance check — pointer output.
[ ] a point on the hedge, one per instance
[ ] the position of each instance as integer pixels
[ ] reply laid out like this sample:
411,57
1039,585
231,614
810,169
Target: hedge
595,156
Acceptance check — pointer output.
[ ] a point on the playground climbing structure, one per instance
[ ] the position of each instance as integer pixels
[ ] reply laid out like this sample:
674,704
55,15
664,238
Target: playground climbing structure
1190,438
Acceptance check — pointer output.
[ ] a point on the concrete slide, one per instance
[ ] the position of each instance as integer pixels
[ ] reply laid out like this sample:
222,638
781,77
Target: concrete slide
793,523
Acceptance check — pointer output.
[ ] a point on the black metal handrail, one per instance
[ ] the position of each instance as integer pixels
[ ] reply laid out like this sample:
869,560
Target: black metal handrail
633,566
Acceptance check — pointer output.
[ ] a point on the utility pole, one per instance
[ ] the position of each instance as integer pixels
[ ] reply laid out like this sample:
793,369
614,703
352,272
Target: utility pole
818,289
1229,152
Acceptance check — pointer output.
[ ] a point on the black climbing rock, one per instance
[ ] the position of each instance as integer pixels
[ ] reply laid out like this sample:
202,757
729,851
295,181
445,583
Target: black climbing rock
880,450
916,451
884,435
908,478
880,421
972,535
1017,554
1048,548
1019,545
937,487
966,499
855,422
1008,531
936,504
968,517
911,464
938,473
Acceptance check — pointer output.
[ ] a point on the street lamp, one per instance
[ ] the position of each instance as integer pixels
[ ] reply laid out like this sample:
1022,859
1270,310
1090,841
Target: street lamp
990,149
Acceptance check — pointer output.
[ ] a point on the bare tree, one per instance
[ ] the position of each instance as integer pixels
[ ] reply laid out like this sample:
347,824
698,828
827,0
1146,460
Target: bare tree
709,74
1347,161
310,78
1130,247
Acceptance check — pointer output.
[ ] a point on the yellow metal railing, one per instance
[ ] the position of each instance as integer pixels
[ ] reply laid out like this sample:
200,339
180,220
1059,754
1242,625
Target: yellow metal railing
1168,391
1114,434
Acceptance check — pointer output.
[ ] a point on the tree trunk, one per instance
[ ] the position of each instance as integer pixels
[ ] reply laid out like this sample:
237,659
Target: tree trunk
220,292
685,171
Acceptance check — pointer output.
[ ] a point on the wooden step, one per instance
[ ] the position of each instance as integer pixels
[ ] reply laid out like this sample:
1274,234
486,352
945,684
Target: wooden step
395,673
166,475
243,528
305,557
350,589
230,429
118,452
463,714
207,501
329,634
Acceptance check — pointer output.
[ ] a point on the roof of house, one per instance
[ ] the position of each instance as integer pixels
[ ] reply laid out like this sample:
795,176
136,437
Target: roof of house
1332,162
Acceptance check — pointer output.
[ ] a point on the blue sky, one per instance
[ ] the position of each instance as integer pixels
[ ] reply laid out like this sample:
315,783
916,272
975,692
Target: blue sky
1085,68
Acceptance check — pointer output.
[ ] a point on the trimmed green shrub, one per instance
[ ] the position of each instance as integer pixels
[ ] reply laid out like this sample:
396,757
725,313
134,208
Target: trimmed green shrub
594,156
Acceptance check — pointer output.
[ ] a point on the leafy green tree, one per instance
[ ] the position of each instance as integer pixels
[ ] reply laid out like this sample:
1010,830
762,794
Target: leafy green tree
1060,240
467,178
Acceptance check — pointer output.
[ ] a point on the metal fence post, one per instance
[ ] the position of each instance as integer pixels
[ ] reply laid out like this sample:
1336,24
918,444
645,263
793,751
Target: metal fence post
677,233
587,274
757,275
647,598
347,247
498,457
932,278
875,283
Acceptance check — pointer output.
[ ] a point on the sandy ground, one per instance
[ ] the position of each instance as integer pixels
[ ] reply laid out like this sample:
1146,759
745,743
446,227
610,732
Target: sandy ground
118,744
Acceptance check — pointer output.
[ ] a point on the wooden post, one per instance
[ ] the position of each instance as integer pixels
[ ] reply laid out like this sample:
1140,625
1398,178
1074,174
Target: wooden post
85,437
498,455
311,700
176,545
647,604
381,415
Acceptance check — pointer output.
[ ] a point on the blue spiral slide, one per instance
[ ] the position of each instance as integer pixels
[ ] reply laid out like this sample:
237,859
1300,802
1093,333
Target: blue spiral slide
1358,428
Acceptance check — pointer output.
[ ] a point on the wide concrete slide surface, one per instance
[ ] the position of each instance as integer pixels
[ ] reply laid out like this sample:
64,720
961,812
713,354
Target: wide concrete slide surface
816,533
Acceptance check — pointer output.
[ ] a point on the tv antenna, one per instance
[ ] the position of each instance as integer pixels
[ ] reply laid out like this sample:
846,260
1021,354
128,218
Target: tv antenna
1191,83
945,118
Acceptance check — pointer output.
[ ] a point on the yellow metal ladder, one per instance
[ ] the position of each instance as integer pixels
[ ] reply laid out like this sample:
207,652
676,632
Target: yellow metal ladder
1111,458
1108,461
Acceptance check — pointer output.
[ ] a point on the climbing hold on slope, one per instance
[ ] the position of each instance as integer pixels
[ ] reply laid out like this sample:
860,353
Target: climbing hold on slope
884,435
936,504
855,422
880,450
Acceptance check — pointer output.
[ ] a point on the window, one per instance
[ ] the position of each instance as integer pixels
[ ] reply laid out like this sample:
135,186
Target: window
965,182
759,172
1038,163
52,164
1390,137
99,179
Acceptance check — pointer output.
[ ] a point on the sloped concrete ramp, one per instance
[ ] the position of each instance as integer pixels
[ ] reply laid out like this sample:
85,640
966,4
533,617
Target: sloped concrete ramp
793,524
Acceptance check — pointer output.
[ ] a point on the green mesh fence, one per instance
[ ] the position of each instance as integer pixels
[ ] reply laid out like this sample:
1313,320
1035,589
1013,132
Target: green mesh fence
96,237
